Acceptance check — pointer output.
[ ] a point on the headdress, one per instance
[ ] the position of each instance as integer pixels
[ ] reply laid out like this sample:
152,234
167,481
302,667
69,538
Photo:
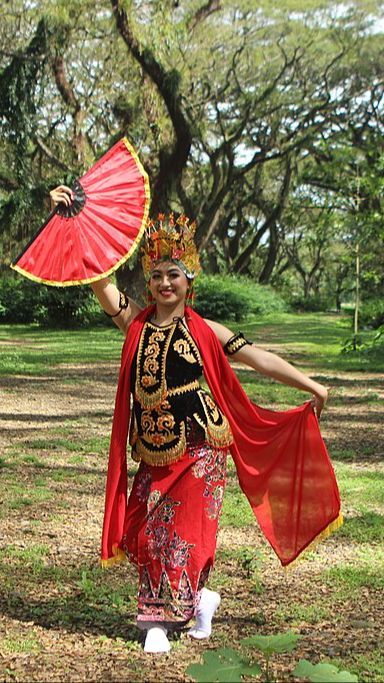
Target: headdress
170,239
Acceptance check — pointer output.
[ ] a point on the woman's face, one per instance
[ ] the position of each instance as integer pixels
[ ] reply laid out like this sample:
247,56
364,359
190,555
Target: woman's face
168,284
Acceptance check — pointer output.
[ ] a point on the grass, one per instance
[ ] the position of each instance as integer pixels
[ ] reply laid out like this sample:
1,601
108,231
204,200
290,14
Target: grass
93,445
368,665
39,350
42,475
350,578
20,644
362,486
296,613
367,527
18,497
317,337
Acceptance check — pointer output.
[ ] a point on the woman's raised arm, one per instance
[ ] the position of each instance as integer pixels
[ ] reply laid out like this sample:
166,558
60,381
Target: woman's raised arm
115,304
121,308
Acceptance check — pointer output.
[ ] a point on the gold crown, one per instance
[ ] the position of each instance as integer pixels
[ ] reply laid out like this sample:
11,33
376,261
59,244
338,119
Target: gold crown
170,239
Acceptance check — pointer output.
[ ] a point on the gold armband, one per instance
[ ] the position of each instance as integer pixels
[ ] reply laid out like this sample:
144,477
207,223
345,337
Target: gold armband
123,303
235,343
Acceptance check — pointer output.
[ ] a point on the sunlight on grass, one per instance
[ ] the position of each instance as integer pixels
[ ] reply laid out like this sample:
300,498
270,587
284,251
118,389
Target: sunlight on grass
20,644
365,528
315,336
18,496
354,577
362,487
41,349
366,571
295,613
236,509
92,445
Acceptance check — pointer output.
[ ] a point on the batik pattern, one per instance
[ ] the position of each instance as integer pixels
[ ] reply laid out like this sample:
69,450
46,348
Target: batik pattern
170,510
211,468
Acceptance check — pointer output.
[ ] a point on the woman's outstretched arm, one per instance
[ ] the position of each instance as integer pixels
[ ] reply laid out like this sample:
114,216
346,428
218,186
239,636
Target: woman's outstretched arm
270,364
120,308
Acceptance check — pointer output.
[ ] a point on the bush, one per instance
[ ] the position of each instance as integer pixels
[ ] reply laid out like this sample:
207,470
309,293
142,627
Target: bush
24,301
226,297
313,303
372,313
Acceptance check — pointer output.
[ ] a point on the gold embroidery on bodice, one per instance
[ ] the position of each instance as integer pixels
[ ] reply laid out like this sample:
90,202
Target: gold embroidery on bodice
167,394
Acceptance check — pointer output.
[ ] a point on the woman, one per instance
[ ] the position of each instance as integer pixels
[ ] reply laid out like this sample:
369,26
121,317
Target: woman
181,434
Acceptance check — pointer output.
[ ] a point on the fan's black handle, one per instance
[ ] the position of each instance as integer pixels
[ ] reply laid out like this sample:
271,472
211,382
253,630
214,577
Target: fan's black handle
78,202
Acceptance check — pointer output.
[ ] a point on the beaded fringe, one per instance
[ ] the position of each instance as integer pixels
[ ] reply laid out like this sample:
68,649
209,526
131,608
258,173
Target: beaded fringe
118,557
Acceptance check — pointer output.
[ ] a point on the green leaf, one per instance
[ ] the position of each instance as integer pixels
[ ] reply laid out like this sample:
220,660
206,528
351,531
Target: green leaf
322,673
281,642
224,665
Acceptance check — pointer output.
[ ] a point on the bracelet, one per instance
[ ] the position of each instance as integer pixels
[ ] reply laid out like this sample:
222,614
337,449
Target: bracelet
235,343
123,303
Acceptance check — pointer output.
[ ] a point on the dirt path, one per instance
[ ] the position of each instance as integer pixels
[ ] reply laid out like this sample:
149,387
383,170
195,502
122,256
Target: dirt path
61,619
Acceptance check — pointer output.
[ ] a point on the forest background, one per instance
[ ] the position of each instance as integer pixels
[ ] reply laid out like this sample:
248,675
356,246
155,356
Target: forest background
262,121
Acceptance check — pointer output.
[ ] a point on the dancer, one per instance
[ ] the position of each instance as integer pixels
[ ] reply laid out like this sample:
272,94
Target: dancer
181,434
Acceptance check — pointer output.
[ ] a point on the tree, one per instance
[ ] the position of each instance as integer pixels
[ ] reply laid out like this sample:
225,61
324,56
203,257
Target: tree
230,109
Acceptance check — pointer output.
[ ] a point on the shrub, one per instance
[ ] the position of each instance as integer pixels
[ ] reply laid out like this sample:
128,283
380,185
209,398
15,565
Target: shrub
313,303
24,301
372,313
226,297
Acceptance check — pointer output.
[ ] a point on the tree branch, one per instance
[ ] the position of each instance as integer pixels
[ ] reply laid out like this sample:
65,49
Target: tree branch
68,94
52,158
172,162
9,184
203,12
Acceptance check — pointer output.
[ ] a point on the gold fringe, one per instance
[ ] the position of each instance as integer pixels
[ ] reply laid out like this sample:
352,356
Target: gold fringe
160,458
134,245
333,526
119,557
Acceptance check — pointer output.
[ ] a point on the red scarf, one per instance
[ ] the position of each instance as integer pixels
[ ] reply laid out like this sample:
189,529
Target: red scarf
281,459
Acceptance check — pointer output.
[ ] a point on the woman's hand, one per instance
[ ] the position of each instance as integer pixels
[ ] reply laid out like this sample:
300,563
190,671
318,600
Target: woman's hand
319,400
61,195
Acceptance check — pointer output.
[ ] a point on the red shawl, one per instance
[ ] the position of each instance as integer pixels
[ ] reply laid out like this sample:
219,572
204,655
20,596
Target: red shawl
281,459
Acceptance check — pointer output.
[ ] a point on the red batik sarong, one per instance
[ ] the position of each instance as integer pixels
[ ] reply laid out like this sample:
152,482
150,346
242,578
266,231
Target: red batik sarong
170,531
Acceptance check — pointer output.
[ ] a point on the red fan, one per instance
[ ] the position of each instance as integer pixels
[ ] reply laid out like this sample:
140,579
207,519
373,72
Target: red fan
93,236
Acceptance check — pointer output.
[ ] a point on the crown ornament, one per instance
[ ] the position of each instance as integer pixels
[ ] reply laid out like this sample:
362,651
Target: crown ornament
170,239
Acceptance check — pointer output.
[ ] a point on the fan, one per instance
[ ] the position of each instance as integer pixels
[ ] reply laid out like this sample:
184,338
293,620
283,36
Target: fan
99,231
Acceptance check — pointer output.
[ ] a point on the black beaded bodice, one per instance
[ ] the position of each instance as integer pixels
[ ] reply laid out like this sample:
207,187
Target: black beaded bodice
170,408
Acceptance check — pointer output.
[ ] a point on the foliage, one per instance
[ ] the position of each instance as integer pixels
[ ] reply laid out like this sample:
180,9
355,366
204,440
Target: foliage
24,301
275,644
226,297
261,120
314,303
270,645
228,665
372,313
370,346
224,665
322,673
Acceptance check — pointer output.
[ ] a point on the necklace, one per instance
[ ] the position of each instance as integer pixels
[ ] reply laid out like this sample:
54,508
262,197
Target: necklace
175,319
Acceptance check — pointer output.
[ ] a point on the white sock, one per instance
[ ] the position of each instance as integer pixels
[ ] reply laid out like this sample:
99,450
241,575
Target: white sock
209,602
156,639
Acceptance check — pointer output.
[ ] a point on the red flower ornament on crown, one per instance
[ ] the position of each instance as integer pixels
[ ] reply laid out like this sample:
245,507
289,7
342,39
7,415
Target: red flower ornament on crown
170,239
